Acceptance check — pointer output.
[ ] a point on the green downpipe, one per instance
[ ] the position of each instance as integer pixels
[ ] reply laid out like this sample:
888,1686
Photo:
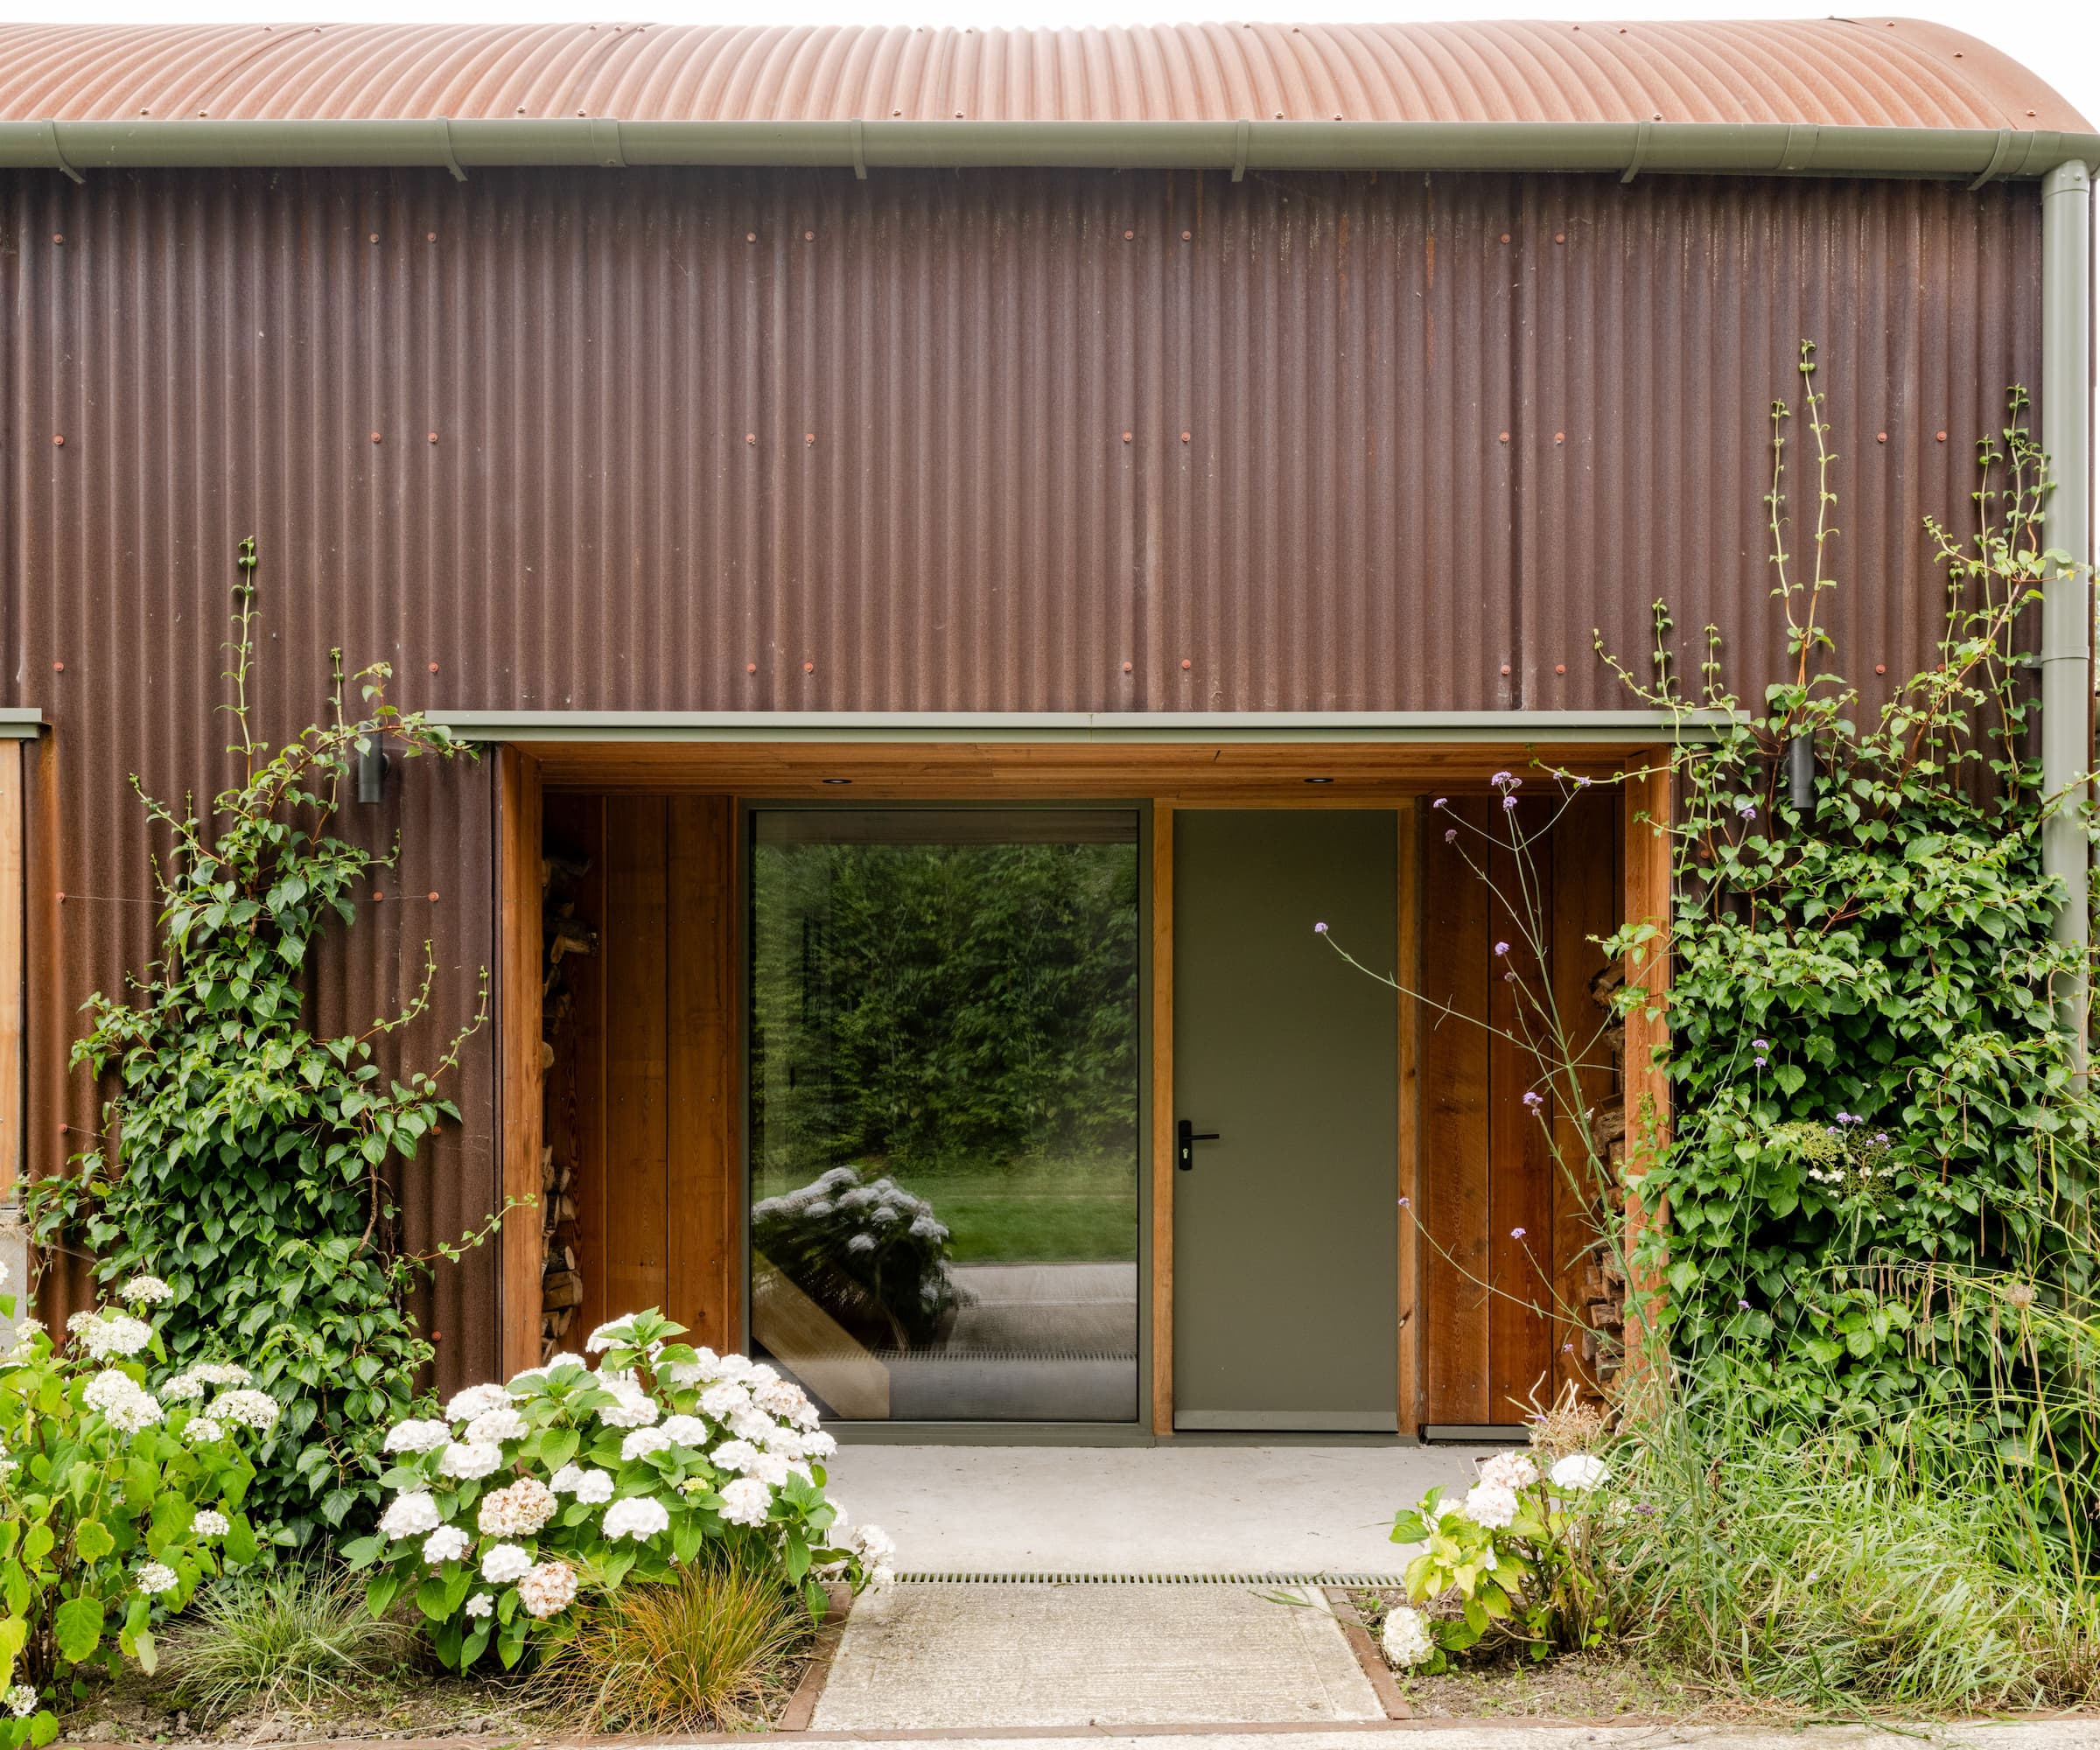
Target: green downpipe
2066,599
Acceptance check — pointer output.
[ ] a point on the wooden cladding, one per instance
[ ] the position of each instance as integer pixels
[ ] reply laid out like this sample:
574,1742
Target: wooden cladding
1501,1228
644,1100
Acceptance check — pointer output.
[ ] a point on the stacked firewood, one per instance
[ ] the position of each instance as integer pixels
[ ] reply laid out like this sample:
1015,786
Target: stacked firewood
561,1282
1602,1289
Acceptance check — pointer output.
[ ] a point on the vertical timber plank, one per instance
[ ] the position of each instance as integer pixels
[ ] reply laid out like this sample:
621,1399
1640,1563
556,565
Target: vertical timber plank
12,1018
1407,1235
1451,1210
520,951
1649,845
1586,909
586,1123
701,1034
636,1088
1520,1170
1163,1118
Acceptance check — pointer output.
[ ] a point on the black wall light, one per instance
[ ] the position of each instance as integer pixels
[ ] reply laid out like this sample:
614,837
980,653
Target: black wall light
1801,774
372,769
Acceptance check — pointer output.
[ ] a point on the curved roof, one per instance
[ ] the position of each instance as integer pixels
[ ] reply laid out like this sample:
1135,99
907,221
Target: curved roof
1866,72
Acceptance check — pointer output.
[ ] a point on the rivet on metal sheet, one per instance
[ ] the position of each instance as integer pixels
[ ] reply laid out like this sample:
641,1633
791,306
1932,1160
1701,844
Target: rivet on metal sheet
1505,667
1881,668
379,895
1560,437
809,236
1560,667
750,437
808,437
58,667
1130,236
1880,436
808,667
1939,438
433,668
1187,236
1126,436
1126,668
433,437
751,667
1502,437
1185,663
433,899
59,439
58,236
1560,236
751,236
375,436
1185,436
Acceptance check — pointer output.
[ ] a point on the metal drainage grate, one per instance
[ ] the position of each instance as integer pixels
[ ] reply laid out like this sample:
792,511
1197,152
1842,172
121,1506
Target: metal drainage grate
1271,1576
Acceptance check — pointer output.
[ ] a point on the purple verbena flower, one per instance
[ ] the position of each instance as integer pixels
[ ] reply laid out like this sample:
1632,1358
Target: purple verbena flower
1534,1100
1761,1045
1742,1306
1438,803
1451,836
1759,1061
1319,930
1516,1233
1508,801
1747,811
1500,778
1501,948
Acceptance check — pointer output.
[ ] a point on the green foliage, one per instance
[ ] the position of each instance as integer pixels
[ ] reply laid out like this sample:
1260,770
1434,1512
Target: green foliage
1879,1151
567,1485
938,1006
248,1158
1780,1562
710,1651
295,1637
117,1503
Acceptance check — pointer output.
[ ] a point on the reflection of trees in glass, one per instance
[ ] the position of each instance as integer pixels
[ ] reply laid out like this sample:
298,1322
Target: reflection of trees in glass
937,1007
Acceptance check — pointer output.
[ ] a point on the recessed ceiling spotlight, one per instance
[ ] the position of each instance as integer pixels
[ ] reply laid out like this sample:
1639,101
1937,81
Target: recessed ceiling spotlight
1320,780
838,780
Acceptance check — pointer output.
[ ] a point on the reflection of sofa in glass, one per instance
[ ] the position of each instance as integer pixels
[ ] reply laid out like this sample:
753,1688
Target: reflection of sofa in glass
868,1252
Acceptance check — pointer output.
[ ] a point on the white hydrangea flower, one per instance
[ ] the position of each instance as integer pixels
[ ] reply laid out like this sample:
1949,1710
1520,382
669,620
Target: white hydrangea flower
21,1699
122,1402
481,1604
781,1397
818,1444
476,1400
874,1546
1510,1471
493,1427
222,1372
548,1590
754,1425
418,1435
596,1488
619,1331
734,1455
519,1511
770,1468
685,1431
559,1362
208,1521
111,1333
723,1397
255,1410
925,1227
182,1387
705,1366
641,1443
632,1407
446,1544
201,1431
1491,1505
468,1459
411,1516
639,1517
746,1501
155,1577
861,1243
146,1290
502,1563
1579,1471
1405,1639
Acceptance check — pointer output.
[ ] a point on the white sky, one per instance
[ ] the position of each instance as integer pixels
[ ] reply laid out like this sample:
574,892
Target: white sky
2058,38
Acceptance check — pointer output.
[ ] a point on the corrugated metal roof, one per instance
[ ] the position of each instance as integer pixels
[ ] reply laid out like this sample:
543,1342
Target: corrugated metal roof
1835,72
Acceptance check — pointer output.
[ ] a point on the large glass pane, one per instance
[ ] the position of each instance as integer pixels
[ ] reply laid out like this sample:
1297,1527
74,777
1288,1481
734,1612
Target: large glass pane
944,1110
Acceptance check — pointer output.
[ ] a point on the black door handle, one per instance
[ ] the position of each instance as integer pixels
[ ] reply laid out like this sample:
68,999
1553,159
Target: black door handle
1186,1135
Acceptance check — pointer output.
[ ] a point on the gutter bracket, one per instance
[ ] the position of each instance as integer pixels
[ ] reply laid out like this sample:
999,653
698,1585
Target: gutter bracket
856,131
1643,132
58,153
1240,132
452,154
605,149
2001,155
1799,151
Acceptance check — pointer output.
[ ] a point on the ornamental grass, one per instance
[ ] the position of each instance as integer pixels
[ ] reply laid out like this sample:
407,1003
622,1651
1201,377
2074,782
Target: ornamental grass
294,1639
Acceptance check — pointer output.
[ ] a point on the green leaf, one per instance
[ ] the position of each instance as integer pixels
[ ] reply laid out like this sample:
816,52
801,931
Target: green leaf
77,1624
92,1541
240,1541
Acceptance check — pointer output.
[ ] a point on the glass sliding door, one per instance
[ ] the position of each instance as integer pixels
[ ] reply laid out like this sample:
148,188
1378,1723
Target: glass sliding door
944,1144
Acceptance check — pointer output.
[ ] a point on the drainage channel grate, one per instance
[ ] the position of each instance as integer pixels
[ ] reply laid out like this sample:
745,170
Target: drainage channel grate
1270,1576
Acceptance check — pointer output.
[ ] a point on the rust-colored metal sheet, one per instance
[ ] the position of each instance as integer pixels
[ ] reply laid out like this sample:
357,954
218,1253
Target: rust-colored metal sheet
1832,72
782,440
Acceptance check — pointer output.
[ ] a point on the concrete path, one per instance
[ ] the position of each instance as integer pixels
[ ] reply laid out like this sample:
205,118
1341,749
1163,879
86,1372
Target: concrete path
1170,1509
951,1655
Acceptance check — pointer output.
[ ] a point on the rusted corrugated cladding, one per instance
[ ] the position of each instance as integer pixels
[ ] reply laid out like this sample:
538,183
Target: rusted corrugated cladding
606,440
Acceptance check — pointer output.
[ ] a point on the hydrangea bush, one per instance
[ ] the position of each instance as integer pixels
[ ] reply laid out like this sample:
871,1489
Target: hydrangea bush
1503,1563
871,1254
572,1481
115,1499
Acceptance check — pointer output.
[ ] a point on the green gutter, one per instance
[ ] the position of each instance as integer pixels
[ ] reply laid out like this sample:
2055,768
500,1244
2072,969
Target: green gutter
1627,728
1628,148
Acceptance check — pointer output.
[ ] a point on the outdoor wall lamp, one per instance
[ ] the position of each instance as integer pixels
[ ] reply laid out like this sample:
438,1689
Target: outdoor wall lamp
372,769
1801,774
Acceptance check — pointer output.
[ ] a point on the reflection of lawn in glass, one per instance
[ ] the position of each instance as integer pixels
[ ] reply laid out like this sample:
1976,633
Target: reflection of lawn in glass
1080,1211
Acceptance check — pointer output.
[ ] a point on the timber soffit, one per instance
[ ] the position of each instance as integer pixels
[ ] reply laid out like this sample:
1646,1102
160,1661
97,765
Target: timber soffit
1631,728
1891,97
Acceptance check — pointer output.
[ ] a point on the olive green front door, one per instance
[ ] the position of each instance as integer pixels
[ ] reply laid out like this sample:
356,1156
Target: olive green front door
1286,1085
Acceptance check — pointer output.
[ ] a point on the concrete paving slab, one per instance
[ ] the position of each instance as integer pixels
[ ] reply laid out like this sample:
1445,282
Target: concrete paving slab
1193,1508
950,1654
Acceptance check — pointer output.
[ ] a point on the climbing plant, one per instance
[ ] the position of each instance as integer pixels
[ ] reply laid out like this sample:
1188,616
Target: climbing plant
250,1162
1877,1189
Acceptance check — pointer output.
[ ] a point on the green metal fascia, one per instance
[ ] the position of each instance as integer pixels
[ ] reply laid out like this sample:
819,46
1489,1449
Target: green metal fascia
1629,728
20,723
1624,148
